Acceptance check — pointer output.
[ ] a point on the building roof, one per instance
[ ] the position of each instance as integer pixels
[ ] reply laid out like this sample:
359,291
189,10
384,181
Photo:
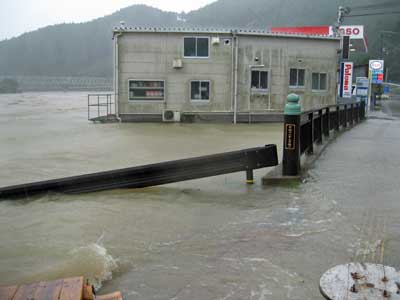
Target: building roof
202,30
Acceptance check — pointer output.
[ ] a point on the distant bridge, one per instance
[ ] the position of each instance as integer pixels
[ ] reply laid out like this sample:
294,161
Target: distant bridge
62,83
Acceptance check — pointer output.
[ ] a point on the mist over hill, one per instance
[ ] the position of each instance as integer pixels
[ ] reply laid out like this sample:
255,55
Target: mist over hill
85,49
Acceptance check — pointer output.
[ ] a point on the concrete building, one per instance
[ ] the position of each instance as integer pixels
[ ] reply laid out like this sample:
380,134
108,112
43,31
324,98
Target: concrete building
176,74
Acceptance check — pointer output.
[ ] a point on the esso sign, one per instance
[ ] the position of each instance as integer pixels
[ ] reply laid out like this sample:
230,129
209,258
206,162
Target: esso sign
355,32
350,31
376,65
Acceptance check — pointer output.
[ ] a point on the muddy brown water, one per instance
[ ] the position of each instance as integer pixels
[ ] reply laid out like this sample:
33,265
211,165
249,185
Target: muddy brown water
214,238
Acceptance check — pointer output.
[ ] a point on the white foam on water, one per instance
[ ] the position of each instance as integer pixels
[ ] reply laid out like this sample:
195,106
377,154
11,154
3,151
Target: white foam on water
92,261
95,262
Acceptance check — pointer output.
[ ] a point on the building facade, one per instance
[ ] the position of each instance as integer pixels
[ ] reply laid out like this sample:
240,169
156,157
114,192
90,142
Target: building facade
219,75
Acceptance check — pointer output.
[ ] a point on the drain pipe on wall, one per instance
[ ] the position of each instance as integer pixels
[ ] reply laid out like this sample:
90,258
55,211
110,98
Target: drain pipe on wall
232,73
269,79
236,39
116,77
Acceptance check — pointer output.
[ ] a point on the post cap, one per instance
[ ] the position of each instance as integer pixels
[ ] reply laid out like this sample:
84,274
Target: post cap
292,106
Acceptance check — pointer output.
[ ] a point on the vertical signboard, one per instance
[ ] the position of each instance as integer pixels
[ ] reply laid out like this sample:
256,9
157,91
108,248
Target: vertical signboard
346,79
376,71
290,136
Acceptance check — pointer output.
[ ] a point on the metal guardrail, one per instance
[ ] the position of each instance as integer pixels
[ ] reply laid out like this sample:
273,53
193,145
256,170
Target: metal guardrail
304,129
154,174
103,105
317,123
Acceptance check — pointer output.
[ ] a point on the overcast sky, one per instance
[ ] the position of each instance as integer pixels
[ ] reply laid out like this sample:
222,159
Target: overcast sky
19,16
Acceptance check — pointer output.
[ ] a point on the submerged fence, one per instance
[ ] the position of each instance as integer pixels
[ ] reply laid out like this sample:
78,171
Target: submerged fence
305,129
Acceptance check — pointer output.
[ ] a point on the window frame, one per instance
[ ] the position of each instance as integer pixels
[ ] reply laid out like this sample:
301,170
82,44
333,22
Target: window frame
144,100
259,90
319,90
297,86
198,101
197,37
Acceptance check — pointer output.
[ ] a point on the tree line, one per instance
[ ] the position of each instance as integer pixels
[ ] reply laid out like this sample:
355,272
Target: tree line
85,49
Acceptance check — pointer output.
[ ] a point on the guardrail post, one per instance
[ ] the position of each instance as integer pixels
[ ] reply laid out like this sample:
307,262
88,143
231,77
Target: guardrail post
327,124
310,149
352,114
291,140
362,114
320,126
357,112
249,176
337,127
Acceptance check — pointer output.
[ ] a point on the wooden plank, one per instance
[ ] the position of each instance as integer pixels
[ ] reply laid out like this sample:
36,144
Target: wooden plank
49,290
7,292
26,292
87,292
72,289
113,296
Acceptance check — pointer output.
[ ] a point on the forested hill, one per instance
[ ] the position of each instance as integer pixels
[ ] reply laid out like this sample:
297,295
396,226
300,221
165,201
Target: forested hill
85,49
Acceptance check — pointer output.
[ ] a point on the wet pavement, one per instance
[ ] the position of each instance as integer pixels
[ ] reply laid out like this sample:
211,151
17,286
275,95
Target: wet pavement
214,238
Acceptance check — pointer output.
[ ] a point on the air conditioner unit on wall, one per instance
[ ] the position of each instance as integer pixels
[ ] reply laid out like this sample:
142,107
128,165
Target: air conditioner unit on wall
215,40
171,116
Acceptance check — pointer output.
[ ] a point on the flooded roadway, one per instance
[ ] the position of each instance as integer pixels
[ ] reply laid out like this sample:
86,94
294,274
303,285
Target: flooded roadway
213,238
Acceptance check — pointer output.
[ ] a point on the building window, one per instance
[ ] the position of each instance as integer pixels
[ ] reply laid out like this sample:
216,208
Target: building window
297,77
152,90
319,81
196,46
200,90
259,80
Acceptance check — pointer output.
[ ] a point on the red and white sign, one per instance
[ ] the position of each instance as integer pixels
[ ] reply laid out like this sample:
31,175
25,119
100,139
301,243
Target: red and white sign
376,65
354,32
346,80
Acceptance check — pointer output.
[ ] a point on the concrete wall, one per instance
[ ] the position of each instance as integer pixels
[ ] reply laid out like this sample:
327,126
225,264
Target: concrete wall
278,55
150,56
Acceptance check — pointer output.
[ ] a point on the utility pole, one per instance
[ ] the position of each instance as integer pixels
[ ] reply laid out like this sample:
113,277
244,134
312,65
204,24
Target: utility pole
342,12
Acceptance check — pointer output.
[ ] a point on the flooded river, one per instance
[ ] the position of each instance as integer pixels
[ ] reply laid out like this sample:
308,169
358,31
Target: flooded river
213,238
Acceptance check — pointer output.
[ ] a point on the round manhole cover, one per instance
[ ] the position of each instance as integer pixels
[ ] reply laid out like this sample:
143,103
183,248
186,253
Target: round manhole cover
361,281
